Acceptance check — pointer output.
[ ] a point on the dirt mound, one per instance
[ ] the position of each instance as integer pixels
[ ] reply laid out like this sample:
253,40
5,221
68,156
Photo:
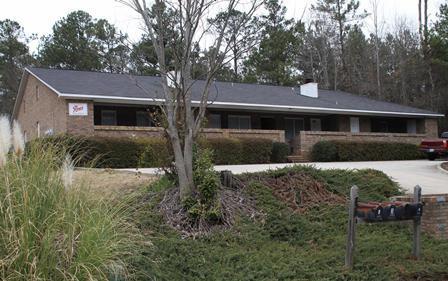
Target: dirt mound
300,191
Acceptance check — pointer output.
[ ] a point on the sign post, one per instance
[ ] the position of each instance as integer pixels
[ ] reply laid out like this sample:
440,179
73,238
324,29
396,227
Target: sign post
351,227
417,224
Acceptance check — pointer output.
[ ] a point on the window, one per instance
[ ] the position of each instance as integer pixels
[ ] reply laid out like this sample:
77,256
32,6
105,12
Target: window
316,124
109,117
293,126
38,129
239,122
411,126
37,93
214,121
143,119
354,124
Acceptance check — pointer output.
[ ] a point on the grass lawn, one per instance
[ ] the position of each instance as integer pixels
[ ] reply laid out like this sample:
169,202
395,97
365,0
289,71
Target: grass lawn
286,245
110,183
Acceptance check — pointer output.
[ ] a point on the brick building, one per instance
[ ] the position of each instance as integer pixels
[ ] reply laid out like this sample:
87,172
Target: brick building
52,101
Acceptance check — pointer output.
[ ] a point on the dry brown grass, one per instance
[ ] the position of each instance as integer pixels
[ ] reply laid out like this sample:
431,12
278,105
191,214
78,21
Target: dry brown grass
110,183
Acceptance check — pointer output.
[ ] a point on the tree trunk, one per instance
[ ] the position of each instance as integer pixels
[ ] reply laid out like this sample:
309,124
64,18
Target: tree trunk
183,167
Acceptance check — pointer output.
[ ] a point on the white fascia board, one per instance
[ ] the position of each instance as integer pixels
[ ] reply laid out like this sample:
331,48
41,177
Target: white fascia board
230,105
103,98
289,108
43,82
246,106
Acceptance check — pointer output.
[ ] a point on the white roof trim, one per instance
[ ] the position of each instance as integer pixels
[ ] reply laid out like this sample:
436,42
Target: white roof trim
255,106
270,107
325,109
101,97
43,82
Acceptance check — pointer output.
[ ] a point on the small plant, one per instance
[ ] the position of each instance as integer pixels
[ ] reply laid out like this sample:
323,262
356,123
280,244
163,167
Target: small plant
204,205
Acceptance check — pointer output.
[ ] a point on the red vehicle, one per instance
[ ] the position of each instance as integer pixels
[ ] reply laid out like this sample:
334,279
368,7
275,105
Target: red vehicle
436,147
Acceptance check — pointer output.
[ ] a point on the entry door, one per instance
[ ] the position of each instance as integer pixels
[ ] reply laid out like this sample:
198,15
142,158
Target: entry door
316,124
293,126
412,126
354,124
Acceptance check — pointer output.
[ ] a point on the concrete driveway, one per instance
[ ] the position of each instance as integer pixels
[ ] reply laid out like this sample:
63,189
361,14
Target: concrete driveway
425,173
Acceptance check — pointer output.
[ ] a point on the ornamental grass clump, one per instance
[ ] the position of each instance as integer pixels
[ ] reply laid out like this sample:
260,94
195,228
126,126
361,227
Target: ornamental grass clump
51,228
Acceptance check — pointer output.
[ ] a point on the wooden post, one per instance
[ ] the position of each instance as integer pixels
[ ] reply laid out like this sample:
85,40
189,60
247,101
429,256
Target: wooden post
417,224
227,178
351,227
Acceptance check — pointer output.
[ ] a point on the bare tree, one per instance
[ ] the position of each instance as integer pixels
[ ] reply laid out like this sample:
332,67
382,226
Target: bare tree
179,34
376,27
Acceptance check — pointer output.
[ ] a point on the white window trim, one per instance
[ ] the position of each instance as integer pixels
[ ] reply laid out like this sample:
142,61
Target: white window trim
355,123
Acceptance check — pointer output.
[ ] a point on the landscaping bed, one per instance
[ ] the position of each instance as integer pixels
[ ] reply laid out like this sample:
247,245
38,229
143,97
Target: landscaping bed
445,166
302,239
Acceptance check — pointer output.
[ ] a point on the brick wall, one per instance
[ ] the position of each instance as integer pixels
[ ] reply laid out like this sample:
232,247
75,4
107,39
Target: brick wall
307,139
40,105
431,128
274,135
435,214
123,131
80,125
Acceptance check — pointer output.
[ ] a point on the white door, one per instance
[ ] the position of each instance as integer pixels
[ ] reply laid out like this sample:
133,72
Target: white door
316,124
354,124
412,126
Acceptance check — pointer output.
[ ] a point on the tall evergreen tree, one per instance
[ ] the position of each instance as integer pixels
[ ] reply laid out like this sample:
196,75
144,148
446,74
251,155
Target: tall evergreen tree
241,38
82,43
274,61
343,13
14,56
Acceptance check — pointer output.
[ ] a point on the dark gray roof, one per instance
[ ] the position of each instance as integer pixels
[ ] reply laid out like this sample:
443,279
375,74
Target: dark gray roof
107,85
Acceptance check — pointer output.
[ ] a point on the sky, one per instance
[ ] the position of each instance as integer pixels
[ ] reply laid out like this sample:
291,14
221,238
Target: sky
38,16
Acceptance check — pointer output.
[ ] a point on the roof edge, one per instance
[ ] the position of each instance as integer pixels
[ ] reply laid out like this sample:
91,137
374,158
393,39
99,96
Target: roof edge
19,97
268,107
43,82
23,81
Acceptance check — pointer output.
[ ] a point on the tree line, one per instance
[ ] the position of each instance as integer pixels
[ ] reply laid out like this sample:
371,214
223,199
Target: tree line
403,65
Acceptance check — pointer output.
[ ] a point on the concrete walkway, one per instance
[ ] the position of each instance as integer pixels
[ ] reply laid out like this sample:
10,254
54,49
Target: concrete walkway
407,173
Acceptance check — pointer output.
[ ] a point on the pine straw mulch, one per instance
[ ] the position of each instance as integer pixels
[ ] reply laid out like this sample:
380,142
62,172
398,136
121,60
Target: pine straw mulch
233,201
299,191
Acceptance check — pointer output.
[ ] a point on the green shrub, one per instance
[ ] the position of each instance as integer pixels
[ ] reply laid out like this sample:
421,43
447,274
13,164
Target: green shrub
325,151
226,151
148,152
156,153
229,151
52,229
256,151
280,152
